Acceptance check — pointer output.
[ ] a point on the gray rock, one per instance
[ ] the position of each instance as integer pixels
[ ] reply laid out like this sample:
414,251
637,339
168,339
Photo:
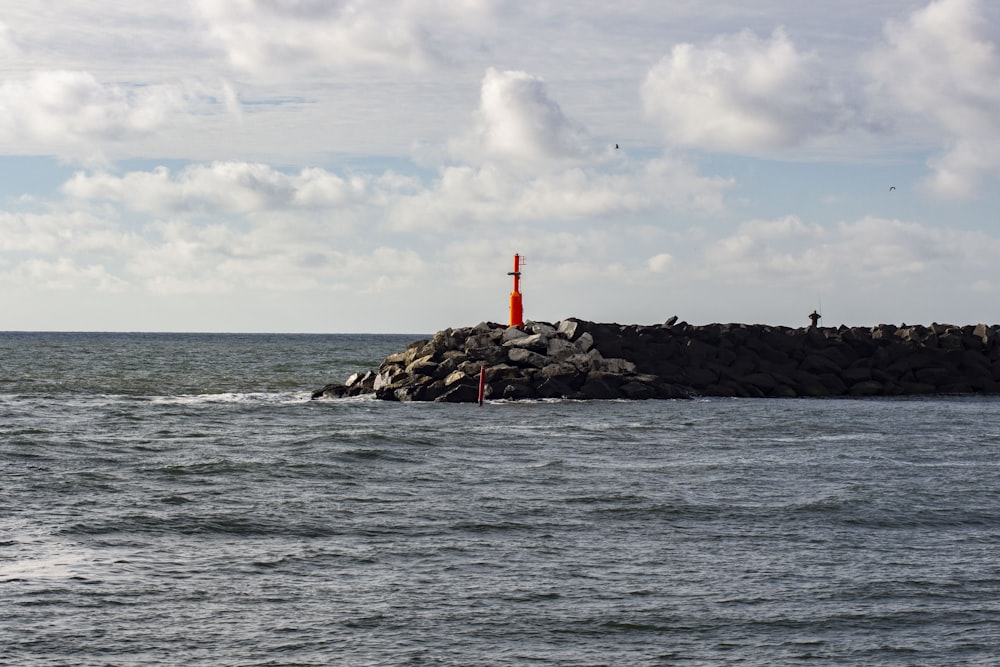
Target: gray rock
585,342
489,356
617,366
455,377
460,393
559,369
534,342
360,379
333,390
570,329
523,357
543,328
514,391
422,366
561,349
511,333
388,378
556,387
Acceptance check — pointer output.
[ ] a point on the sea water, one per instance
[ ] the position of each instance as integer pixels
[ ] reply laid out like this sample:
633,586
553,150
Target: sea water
178,499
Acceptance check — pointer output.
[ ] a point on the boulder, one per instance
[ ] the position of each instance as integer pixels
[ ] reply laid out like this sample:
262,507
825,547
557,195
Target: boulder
561,369
602,386
543,328
569,329
561,349
637,390
515,391
460,393
512,333
534,342
556,387
520,356
454,378
585,342
422,366
332,390
616,366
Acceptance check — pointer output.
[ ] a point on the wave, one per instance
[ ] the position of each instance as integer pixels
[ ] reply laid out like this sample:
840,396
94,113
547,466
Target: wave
233,397
33,554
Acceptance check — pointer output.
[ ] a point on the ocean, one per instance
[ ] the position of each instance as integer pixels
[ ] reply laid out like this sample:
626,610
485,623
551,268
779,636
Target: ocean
178,499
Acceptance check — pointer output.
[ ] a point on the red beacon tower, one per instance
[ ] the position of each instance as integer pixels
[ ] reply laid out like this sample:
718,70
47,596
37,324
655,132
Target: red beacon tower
516,309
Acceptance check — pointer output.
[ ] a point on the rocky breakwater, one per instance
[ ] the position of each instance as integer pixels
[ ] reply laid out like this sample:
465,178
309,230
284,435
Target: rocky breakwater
586,360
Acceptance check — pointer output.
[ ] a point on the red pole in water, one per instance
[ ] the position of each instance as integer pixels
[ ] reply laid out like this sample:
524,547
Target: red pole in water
482,383
516,309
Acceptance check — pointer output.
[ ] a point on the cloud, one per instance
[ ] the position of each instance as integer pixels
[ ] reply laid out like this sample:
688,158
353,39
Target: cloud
71,113
492,193
180,257
489,193
519,122
743,94
8,45
63,274
230,187
869,250
60,233
526,160
660,263
940,66
273,35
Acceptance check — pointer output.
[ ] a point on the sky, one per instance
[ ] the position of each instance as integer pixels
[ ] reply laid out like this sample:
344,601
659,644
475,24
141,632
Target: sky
335,166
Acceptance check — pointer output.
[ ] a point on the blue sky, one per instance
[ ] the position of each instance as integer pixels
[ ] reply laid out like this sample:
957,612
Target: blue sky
325,166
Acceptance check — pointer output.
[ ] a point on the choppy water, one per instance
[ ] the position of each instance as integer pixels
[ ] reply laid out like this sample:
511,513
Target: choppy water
178,500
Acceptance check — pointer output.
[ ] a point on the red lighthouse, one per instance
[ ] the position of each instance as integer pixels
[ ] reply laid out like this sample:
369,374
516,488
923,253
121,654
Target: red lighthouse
516,309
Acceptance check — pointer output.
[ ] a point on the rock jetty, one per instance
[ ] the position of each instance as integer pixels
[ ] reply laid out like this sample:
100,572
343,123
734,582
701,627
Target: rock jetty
577,359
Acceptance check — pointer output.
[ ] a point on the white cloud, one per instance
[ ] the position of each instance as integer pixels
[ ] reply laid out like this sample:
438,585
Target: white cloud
71,113
268,35
941,66
494,194
8,45
60,233
63,274
660,263
743,94
870,249
180,258
519,122
233,187
525,159
491,193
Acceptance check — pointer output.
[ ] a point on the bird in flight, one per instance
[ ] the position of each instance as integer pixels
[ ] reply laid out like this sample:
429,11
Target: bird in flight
616,145
891,188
